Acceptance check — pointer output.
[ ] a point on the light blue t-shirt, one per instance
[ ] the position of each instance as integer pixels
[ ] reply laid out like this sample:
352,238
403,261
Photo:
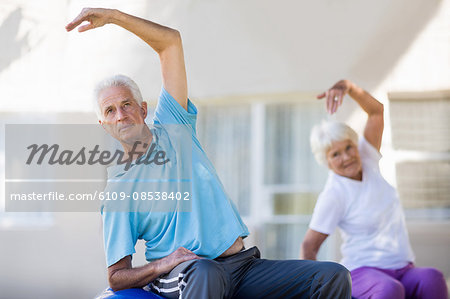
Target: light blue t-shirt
209,223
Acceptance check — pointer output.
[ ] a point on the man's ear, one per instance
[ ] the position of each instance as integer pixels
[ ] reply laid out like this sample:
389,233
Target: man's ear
144,109
101,123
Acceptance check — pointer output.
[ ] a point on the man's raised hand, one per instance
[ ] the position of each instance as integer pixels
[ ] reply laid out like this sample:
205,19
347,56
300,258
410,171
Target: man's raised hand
164,40
96,17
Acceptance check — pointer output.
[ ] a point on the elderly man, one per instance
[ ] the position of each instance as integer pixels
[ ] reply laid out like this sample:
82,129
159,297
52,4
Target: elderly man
197,253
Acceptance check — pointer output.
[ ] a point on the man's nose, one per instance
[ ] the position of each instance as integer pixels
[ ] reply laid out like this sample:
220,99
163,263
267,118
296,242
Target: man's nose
121,115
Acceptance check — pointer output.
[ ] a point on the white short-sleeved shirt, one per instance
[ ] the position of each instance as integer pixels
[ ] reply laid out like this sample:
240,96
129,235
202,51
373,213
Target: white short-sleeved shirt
369,215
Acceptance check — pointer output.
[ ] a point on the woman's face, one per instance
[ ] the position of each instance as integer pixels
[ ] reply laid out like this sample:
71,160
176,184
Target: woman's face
343,158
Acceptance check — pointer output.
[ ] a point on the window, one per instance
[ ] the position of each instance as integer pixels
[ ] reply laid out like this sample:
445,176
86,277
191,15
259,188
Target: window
420,124
292,177
261,151
225,134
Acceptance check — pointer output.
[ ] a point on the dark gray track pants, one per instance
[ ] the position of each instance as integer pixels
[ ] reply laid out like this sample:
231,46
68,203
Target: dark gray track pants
245,275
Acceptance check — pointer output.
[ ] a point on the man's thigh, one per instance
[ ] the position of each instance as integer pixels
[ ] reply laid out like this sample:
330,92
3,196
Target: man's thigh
294,279
170,284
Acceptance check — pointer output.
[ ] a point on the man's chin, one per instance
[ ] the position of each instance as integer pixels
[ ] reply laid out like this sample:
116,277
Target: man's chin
127,137
130,136
125,128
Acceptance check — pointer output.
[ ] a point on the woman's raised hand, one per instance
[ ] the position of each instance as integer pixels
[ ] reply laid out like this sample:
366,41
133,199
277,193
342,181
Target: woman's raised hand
335,95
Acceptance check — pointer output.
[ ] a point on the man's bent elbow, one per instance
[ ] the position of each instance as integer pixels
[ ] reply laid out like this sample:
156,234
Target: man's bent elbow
176,35
116,283
173,38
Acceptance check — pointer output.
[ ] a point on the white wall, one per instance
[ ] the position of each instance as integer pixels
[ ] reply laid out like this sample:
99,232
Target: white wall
231,47
65,260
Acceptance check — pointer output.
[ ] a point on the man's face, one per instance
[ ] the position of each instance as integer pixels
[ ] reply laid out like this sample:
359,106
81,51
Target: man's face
343,158
122,117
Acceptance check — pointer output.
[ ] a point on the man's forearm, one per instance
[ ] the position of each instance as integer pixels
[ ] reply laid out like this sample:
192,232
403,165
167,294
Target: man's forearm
121,279
122,275
164,40
168,44
157,36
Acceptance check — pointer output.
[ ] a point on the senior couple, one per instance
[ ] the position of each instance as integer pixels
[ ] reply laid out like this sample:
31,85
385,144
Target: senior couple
200,253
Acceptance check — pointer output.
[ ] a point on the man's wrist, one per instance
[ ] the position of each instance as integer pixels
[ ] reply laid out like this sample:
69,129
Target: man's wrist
116,16
160,267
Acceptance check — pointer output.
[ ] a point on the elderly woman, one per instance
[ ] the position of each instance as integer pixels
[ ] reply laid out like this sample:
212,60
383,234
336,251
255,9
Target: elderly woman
359,201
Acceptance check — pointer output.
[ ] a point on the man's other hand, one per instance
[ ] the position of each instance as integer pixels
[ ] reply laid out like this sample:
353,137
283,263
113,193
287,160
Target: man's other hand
175,258
96,17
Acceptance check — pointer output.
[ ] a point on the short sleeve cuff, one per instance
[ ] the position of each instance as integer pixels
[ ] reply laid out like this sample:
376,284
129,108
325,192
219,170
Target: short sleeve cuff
114,258
370,150
321,230
166,98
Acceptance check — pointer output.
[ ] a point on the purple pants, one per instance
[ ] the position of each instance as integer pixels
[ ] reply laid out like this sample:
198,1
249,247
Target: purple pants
407,282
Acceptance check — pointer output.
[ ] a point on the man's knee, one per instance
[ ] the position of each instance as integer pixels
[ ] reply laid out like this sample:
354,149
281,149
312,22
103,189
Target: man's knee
337,268
335,271
332,280
339,274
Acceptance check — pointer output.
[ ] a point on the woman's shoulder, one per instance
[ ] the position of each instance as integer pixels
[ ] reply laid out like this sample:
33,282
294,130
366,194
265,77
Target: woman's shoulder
334,187
367,151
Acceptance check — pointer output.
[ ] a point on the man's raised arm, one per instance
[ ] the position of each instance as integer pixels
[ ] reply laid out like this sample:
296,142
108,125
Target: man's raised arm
164,40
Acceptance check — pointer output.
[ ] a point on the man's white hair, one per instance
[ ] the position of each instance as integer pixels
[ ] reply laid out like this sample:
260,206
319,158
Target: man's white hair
324,134
116,81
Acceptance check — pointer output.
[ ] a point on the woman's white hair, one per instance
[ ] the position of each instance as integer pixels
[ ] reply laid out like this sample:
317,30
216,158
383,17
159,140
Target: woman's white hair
324,134
116,81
